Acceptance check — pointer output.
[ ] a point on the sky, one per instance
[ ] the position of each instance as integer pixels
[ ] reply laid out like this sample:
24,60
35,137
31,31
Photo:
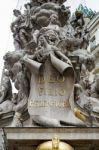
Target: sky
6,17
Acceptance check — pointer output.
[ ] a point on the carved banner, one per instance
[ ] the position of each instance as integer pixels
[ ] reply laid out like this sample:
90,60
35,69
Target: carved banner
51,91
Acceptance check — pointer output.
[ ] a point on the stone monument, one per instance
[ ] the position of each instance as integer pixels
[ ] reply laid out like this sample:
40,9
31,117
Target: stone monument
50,69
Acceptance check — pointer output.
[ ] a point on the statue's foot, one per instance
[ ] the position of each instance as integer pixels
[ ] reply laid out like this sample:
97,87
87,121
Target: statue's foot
17,122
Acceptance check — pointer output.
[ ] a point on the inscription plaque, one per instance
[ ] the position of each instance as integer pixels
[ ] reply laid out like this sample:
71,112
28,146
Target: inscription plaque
50,93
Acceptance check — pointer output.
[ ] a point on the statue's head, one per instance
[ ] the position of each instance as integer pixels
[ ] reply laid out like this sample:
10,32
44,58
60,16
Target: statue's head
41,41
78,14
7,60
54,19
7,56
16,12
52,37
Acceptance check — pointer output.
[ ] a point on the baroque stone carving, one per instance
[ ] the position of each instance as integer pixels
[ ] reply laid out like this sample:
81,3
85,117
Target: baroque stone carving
50,54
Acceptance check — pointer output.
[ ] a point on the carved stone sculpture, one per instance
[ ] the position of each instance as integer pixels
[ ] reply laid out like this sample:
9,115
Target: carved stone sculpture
50,53
6,104
6,88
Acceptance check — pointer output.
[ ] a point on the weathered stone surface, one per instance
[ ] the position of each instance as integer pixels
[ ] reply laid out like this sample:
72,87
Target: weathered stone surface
69,133
47,40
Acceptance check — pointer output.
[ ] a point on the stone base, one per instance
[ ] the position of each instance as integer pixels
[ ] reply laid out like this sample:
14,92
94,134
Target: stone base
30,138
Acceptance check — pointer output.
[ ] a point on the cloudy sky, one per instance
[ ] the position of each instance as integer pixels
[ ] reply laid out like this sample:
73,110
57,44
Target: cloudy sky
6,17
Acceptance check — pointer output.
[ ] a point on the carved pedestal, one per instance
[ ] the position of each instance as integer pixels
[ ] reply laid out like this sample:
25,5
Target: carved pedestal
30,138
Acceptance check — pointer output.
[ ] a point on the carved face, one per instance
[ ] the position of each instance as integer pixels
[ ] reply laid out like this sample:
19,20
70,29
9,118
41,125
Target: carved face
7,60
52,37
16,12
41,41
54,19
7,56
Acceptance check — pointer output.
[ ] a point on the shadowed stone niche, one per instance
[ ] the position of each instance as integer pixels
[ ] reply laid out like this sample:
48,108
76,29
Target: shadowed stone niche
50,69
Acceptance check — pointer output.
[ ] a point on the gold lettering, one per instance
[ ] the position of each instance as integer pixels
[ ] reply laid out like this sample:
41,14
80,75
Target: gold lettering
51,79
60,79
41,91
61,92
66,103
50,92
41,79
45,103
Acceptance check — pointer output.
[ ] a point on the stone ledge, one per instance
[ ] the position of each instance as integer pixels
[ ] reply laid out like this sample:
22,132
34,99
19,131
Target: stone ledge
67,133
